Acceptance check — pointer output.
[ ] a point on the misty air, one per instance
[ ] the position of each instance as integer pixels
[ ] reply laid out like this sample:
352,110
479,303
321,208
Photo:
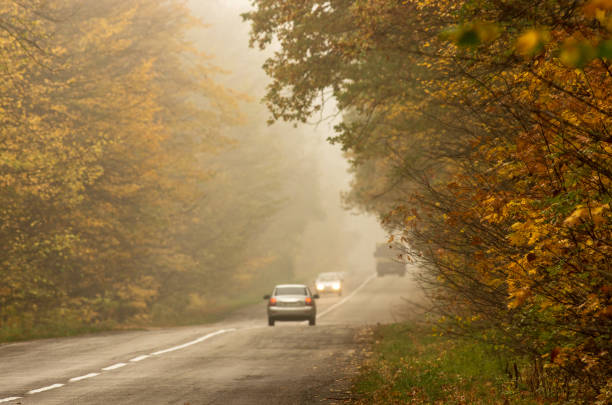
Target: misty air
305,201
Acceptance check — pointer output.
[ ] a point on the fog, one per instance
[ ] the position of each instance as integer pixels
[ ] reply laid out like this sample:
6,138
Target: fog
334,239
143,184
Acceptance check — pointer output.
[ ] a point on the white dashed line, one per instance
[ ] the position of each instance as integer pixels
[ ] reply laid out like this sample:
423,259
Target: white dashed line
348,297
47,388
83,377
193,342
144,356
114,366
9,399
119,365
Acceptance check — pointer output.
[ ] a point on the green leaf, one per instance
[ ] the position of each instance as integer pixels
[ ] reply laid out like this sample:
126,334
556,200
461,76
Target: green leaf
604,49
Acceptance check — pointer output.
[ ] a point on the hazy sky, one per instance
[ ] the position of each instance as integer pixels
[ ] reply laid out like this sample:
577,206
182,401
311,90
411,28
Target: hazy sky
349,238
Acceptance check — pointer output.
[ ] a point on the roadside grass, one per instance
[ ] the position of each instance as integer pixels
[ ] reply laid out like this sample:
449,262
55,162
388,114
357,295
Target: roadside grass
210,312
409,365
44,330
54,326
72,326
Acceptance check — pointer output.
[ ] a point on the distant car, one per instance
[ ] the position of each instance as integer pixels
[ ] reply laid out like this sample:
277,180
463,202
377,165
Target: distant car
292,302
330,282
390,267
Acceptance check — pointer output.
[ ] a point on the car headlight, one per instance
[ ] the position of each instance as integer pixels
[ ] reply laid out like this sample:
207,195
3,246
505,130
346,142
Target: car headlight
336,286
320,286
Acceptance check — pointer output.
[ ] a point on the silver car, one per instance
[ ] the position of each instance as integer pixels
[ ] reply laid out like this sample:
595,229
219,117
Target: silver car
291,302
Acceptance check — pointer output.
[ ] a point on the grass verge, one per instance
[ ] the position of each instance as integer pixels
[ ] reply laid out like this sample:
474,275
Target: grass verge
68,325
409,365
52,330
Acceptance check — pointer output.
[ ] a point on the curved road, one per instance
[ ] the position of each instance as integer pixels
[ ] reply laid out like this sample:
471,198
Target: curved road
237,361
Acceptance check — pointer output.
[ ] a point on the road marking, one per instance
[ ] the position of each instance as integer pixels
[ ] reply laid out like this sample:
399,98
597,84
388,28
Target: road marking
114,366
9,399
47,388
144,356
193,342
83,377
119,365
348,297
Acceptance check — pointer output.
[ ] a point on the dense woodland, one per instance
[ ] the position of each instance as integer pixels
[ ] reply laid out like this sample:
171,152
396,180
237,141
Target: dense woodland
479,132
134,187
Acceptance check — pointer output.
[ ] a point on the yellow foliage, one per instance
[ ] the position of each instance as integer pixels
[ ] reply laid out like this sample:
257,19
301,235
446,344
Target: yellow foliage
531,42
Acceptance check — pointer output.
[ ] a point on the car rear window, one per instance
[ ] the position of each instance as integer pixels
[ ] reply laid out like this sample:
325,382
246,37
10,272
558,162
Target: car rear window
291,291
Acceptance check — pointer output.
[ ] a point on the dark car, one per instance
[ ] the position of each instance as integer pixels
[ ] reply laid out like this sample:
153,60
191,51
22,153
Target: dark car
291,302
390,267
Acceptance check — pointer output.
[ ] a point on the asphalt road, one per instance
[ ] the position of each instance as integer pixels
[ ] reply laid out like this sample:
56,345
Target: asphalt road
238,361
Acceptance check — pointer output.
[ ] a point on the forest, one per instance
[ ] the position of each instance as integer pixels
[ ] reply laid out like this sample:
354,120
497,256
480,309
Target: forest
136,186
479,133
139,187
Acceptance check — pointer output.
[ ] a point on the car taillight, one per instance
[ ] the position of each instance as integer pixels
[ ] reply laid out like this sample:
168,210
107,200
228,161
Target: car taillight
308,301
272,301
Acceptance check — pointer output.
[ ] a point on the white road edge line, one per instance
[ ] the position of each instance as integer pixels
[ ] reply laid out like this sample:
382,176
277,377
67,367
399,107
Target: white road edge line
47,388
144,356
348,297
9,399
114,366
90,375
119,365
193,342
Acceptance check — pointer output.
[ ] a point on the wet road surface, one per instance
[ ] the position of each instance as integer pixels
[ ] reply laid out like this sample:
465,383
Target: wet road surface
237,361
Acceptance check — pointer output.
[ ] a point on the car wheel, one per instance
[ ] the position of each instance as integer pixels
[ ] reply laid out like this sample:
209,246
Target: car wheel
270,322
312,321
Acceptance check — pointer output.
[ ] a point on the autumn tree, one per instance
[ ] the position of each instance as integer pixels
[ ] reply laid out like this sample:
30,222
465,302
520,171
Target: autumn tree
106,116
136,188
479,133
